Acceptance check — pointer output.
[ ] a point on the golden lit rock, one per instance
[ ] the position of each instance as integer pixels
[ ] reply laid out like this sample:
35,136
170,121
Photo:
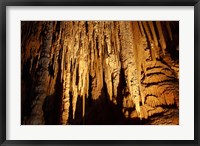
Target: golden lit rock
99,72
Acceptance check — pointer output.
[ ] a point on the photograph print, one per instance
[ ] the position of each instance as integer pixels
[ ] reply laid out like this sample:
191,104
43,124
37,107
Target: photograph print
100,72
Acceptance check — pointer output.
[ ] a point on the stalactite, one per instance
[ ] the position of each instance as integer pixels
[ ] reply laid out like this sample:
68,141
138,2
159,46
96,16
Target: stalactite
138,37
169,30
75,48
149,39
154,43
66,77
96,59
112,65
160,74
129,65
85,72
83,66
161,37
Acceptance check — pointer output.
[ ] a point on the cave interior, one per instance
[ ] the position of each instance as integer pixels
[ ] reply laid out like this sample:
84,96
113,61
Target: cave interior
99,72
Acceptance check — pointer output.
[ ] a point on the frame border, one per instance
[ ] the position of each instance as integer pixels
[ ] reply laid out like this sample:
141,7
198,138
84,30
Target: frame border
5,3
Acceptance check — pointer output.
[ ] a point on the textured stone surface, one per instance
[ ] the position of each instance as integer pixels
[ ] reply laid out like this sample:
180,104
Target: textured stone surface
99,72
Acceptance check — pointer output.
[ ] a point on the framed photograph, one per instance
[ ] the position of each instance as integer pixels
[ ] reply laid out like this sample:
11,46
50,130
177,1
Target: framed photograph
99,72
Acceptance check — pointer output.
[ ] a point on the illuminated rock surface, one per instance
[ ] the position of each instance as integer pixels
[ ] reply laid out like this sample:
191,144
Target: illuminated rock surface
100,72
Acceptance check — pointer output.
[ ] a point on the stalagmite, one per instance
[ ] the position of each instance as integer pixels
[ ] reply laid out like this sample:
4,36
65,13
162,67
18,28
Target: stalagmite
42,77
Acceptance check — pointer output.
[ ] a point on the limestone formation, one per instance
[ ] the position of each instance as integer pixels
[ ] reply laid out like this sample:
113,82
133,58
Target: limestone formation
99,72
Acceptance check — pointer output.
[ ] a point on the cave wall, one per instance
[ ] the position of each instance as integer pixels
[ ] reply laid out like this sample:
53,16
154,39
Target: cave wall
98,72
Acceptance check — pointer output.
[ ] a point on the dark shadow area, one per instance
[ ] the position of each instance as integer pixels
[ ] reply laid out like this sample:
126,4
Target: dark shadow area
27,90
53,104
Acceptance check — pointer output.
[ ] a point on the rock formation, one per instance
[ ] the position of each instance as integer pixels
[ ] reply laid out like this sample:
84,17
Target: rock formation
99,72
